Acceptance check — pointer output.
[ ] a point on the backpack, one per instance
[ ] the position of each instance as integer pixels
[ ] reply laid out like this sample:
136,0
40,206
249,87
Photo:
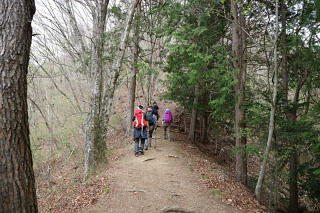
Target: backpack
167,116
139,121
149,117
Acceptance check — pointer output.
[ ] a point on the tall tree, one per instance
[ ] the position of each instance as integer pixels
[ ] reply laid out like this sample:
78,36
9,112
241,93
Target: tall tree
290,112
273,108
193,119
239,54
95,146
133,73
17,184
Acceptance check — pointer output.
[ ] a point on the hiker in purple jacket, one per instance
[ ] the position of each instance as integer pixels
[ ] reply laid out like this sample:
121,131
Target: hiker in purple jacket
166,121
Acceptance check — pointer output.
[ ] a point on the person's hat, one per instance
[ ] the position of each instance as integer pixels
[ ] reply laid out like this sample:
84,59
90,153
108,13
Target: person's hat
140,107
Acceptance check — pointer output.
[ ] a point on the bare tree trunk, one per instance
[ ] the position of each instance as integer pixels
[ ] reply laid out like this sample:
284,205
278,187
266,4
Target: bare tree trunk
151,65
284,65
185,123
290,115
17,183
293,182
116,67
133,74
95,145
239,53
191,136
204,127
204,121
150,74
273,109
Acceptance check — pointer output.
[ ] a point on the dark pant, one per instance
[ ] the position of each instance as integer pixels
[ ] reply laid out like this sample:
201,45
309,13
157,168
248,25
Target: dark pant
166,132
138,148
151,129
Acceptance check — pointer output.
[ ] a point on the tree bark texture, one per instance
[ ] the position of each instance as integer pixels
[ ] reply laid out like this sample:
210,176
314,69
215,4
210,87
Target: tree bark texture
291,115
273,109
133,75
95,144
194,115
17,184
204,121
151,66
239,53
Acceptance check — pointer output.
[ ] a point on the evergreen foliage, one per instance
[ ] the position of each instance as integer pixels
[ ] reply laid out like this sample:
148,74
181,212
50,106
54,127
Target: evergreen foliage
198,43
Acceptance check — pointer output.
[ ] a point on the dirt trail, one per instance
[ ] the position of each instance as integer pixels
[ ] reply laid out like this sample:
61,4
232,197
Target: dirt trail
156,180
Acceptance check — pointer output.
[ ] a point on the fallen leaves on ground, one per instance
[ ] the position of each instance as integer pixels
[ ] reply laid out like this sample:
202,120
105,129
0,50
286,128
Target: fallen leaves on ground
64,189
220,181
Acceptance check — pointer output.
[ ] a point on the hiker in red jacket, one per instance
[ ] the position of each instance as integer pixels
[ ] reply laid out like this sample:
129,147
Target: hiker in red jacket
140,126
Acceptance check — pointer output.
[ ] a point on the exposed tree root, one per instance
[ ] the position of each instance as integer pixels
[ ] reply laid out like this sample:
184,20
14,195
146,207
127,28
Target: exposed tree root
179,209
148,159
133,190
173,156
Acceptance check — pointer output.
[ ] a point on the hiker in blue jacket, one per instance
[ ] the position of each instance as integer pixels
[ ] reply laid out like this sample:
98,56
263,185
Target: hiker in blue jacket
166,121
140,126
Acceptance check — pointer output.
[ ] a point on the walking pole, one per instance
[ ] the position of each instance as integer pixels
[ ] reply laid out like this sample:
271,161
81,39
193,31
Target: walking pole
155,137
147,143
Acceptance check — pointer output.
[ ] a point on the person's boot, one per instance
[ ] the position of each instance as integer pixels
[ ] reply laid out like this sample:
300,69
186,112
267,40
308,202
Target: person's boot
146,145
150,140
